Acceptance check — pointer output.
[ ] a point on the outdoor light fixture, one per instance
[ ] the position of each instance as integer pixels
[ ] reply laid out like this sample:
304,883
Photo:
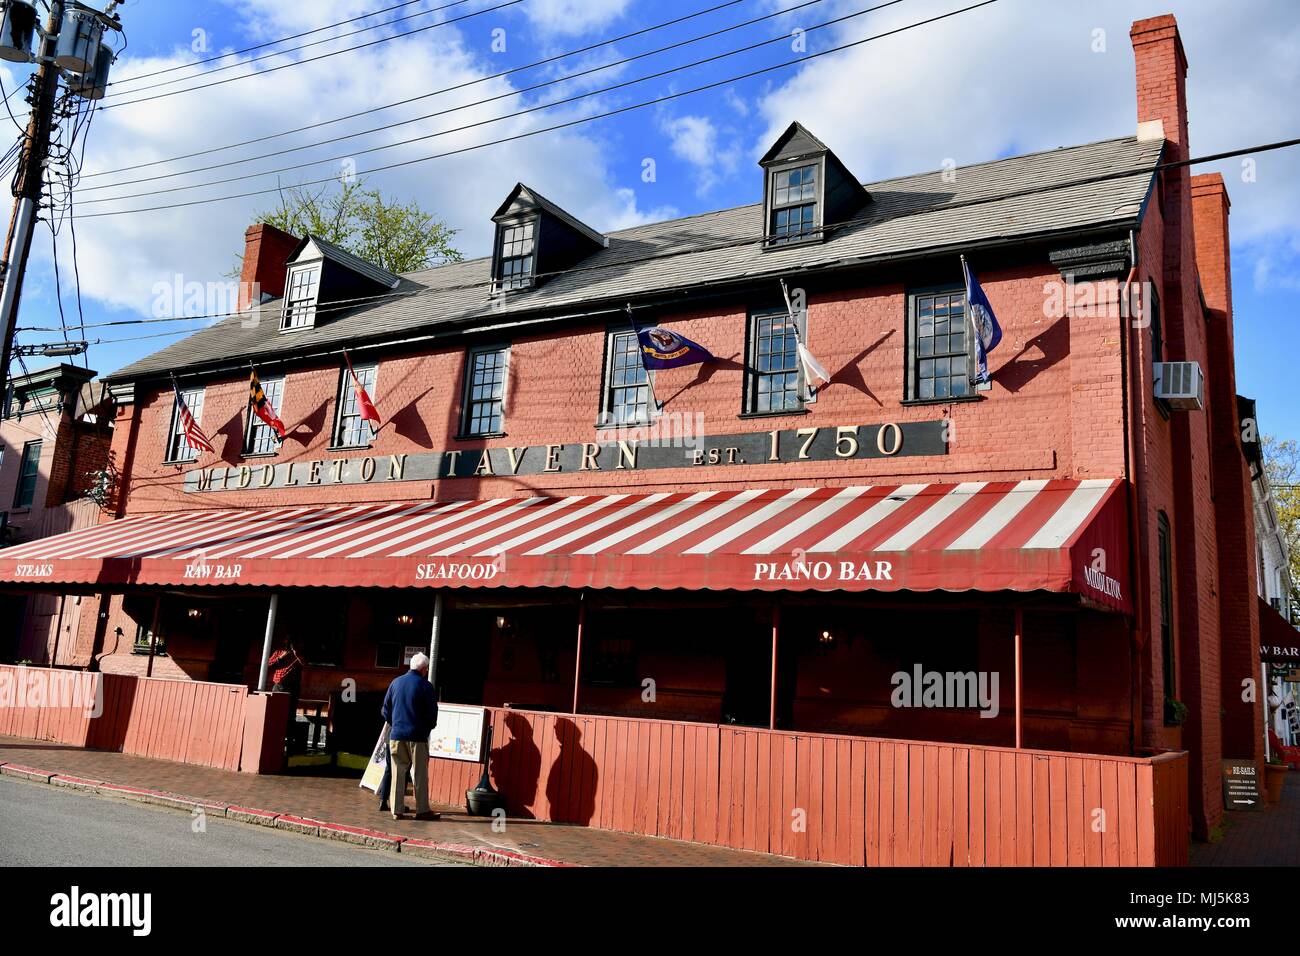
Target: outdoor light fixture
827,637
503,623
405,620
194,613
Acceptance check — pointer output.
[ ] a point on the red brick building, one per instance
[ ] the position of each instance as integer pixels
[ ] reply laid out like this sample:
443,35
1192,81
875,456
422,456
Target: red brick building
55,430
658,575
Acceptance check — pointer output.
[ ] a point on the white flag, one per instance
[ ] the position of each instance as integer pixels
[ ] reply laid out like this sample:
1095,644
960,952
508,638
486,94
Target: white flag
812,369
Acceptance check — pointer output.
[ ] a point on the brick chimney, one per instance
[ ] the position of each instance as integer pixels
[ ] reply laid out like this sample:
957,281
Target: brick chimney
1161,81
266,251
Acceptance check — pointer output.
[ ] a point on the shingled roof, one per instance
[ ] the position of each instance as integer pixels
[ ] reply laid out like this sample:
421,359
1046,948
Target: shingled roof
1003,200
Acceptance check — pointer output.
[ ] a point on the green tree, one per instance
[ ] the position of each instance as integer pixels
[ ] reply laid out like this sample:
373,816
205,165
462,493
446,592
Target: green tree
400,237
1282,465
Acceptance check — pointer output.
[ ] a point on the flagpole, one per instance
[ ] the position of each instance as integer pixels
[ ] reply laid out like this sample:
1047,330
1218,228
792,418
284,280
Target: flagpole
794,322
649,378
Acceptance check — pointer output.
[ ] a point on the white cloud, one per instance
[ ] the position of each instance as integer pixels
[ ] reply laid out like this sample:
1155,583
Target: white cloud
571,17
123,257
696,140
999,81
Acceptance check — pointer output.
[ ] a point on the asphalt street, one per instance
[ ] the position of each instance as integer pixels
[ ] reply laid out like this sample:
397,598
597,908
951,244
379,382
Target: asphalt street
50,826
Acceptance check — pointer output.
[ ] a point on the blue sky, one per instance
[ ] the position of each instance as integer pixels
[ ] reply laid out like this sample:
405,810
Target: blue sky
1012,77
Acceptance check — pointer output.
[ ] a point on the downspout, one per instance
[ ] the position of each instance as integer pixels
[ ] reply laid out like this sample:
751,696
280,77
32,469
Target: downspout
1136,643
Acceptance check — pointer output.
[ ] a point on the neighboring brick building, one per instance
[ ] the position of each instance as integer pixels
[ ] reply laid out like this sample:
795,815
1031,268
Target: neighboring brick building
57,429
515,377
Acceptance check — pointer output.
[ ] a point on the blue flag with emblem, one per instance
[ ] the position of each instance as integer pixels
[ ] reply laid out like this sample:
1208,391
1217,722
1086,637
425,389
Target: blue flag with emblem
664,348
987,331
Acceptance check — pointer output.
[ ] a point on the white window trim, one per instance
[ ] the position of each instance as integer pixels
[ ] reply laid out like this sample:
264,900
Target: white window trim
345,382
294,271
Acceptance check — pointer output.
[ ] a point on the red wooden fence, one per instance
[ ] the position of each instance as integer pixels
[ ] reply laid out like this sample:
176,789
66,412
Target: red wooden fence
188,721
850,800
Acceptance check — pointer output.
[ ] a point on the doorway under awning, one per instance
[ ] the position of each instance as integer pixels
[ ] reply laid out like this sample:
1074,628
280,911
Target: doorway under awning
1065,536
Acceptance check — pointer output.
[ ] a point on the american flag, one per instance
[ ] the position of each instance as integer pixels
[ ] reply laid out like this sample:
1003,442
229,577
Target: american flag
194,436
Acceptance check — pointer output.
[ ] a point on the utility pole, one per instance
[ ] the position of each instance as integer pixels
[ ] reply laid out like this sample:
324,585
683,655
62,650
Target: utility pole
27,195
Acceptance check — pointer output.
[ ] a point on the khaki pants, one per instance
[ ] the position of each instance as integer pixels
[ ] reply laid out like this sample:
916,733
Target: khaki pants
410,758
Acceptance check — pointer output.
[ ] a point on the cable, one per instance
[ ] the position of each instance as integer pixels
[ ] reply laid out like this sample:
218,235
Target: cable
548,129
293,49
313,59
730,243
454,109
258,46
422,96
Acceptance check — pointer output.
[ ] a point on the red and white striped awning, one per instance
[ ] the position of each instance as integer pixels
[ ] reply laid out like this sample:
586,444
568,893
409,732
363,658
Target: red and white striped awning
1062,535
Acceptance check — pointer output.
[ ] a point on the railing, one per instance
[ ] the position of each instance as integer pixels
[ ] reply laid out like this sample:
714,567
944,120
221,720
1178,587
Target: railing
212,725
850,800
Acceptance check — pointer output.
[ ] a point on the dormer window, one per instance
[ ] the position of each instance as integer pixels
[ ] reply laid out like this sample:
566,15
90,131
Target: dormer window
535,239
515,255
794,203
322,274
806,191
300,297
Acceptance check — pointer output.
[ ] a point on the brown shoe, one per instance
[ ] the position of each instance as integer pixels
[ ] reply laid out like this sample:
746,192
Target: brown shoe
428,815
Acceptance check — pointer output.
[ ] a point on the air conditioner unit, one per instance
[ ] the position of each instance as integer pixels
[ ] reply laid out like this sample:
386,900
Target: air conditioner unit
1180,385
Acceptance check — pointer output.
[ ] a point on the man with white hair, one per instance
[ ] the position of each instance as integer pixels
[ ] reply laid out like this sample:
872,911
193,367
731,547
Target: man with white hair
411,709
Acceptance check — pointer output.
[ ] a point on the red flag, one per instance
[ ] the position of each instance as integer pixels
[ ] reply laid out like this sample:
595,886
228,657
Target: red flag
367,408
262,406
194,436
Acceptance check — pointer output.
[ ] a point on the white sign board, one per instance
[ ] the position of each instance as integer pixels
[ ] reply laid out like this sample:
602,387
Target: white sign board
459,733
410,651
374,774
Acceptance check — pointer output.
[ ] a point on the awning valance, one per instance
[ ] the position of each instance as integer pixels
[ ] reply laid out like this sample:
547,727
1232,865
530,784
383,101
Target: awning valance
1060,535
1279,642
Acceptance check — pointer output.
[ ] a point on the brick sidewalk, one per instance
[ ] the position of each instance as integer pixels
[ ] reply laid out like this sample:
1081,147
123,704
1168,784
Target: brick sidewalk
303,801
1270,837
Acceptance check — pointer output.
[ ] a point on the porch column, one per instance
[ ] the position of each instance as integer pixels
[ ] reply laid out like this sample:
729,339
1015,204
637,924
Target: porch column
58,630
434,632
577,657
1020,630
266,642
776,632
153,634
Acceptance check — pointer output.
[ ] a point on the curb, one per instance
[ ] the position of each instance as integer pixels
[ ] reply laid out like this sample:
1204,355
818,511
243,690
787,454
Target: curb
322,829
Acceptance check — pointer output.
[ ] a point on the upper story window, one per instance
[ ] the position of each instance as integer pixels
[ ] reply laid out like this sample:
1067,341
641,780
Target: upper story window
300,297
807,191
793,213
178,447
485,390
350,429
515,244
939,359
28,470
259,437
627,383
775,378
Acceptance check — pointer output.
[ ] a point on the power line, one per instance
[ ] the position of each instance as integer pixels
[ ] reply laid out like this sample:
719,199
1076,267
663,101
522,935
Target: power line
292,49
422,96
558,126
454,109
259,46
312,59
728,243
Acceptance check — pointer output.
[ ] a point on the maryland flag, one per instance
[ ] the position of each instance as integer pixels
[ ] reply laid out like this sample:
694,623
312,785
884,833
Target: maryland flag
364,405
259,405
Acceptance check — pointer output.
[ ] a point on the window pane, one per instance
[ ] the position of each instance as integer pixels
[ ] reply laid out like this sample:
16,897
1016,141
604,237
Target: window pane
629,394
775,384
485,388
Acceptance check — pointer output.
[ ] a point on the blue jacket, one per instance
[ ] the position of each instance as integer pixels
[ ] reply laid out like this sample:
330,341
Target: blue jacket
410,707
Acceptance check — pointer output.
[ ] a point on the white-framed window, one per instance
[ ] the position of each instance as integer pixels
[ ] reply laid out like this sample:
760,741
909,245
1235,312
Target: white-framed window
300,297
259,437
515,245
178,448
350,429
794,204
